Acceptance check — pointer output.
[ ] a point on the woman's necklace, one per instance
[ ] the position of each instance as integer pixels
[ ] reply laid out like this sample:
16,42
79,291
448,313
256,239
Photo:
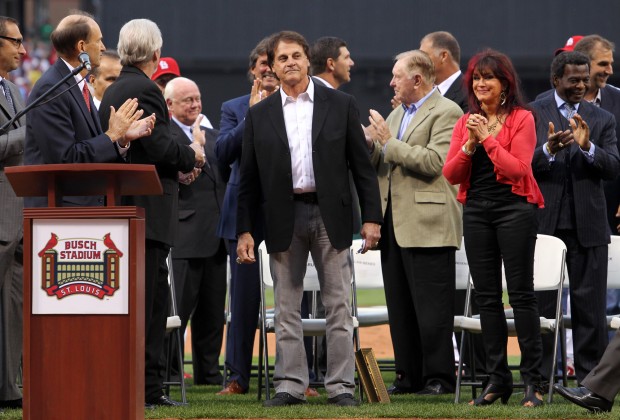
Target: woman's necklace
493,126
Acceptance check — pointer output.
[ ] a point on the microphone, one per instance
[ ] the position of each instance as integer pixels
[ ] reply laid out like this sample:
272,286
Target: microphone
85,60
84,64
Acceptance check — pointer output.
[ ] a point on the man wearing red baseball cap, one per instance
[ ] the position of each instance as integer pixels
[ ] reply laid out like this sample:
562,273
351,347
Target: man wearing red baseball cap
570,44
167,69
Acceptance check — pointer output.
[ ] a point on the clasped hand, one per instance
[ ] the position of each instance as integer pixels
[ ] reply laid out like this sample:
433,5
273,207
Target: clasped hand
478,127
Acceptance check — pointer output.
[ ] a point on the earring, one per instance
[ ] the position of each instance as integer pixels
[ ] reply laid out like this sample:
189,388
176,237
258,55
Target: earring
502,98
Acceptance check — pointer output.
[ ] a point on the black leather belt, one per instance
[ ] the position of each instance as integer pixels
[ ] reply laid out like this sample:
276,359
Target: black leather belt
308,198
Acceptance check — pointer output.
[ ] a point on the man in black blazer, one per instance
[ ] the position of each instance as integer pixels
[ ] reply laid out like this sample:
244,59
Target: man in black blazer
599,389
576,151
67,129
444,50
199,255
139,47
297,149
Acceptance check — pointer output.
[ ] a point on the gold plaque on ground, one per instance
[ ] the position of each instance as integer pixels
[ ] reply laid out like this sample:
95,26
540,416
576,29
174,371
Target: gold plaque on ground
370,376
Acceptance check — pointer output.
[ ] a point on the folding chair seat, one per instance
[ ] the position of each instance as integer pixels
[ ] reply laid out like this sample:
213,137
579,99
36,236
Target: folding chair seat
549,271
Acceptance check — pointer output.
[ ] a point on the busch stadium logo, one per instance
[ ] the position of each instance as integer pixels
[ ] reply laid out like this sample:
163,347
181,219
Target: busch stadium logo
80,266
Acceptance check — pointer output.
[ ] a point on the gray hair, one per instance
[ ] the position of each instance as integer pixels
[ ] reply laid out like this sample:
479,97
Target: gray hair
138,40
416,60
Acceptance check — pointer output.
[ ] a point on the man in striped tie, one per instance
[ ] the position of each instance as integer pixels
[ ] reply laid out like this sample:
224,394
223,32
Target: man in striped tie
11,233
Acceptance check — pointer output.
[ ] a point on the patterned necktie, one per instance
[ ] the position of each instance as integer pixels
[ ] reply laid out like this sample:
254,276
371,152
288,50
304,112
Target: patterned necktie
7,94
86,94
406,120
570,110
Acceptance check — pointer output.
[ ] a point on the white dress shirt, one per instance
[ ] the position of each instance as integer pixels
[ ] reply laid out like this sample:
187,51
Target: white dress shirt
298,121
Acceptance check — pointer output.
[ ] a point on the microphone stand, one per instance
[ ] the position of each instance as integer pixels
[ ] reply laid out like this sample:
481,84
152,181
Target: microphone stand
18,115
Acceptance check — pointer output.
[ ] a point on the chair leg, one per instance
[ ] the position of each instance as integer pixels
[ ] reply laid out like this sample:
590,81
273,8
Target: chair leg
260,366
168,367
181,366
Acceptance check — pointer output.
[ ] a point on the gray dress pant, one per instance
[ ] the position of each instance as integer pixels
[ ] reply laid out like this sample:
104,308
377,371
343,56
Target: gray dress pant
334,272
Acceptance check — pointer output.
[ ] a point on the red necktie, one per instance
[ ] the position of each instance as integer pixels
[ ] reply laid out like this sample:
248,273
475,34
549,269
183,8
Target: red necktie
86,95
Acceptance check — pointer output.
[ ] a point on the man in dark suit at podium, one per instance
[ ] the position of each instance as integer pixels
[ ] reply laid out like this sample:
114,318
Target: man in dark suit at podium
199,255
67,129
11,231
139,47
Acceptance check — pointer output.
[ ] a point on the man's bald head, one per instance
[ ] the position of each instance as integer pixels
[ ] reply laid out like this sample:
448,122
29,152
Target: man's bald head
76,33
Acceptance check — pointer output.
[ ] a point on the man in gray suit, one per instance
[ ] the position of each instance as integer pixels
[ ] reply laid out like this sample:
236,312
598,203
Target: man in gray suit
600,387
422,228
11,228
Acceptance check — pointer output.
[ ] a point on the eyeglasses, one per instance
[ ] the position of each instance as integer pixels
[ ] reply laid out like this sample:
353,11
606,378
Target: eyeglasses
16,41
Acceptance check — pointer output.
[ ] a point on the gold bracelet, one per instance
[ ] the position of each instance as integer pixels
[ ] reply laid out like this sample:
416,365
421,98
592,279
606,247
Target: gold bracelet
549,149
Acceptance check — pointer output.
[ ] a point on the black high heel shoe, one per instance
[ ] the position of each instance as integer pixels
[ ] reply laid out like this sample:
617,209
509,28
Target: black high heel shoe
531,399
492,393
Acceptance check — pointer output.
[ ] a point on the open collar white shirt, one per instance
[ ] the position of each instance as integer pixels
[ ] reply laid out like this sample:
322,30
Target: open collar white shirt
445,85
298,114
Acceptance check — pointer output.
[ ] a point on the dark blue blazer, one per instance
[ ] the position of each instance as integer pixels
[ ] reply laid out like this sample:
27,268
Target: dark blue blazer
587,178
610,101
65,131
228,153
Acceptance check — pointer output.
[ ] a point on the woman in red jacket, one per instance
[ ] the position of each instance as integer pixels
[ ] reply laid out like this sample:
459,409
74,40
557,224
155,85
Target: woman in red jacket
490,157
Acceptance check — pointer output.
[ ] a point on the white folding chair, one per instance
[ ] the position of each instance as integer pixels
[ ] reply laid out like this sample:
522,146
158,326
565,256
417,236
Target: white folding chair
368,275
549,270
311,326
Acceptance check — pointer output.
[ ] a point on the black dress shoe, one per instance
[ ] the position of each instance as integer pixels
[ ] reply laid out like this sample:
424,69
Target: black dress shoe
344,400
398,390
11,403
281,399
434,388
585,398
163,401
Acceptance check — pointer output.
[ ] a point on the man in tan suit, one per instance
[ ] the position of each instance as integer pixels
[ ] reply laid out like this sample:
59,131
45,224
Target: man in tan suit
422,226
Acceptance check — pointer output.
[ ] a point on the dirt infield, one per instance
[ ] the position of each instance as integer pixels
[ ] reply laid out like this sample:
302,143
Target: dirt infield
378,338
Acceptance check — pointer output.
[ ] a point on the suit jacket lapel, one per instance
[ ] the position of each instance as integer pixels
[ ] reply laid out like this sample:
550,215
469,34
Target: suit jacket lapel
277,116
76,93
17,102
420,115
319,112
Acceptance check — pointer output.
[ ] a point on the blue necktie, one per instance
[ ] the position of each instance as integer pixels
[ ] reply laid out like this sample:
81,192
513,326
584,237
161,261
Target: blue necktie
570,110
7,94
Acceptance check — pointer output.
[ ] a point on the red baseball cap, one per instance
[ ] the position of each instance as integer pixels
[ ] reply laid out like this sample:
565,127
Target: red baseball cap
570,44
167,65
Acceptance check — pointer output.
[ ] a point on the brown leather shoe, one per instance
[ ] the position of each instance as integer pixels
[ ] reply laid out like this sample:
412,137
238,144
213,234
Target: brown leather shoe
311,392
233,388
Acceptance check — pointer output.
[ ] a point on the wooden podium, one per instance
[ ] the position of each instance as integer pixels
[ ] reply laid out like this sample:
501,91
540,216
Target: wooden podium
83,355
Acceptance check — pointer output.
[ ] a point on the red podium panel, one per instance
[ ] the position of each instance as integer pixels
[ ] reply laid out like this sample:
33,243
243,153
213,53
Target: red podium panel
83,365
